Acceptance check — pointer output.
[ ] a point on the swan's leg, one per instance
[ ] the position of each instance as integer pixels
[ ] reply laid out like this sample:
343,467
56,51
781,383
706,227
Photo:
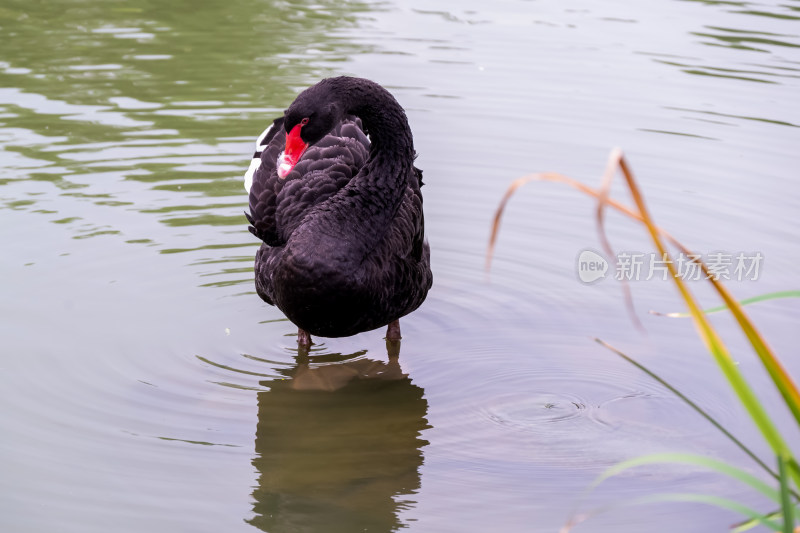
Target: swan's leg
302,354
393,350
303,337
393,331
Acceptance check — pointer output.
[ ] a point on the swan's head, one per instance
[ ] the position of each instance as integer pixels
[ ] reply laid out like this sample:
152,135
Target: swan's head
295,147
310,117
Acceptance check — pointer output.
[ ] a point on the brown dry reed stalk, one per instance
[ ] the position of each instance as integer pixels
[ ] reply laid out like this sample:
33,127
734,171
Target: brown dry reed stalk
784,383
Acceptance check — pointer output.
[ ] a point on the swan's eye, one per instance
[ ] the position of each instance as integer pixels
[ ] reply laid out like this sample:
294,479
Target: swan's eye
304,121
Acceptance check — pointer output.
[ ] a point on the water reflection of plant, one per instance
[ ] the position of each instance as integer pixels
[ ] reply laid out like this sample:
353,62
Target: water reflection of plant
787,472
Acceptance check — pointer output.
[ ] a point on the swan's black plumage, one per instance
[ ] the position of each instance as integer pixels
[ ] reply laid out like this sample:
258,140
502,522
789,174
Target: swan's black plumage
343,247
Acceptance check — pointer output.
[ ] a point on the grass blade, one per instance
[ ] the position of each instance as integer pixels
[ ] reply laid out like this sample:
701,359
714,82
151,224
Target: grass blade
753,517
784,383
715,345
694,406
787,509
552,177
716,501
746,301
747,525
697,460
602,200
778,374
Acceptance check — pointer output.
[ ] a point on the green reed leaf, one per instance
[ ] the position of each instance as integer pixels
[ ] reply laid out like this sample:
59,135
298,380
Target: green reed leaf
697,460
713,342
694,406
724,503
746,301
787,509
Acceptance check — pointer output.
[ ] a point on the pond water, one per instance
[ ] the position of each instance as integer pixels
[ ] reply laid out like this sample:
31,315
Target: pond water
144,385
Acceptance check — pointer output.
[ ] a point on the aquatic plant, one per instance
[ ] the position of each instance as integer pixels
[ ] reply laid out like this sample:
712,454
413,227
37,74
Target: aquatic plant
786,474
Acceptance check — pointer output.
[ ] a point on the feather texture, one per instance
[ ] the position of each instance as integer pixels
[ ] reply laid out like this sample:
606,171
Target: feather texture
344,249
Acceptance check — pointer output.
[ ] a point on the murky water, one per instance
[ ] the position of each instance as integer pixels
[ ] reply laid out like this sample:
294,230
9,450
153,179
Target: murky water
144,385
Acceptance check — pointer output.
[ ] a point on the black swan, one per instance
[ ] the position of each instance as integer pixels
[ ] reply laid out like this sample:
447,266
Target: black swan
335,198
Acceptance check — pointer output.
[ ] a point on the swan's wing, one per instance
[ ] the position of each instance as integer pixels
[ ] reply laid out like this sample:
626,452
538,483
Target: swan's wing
260,181
418,242
278,206
261,144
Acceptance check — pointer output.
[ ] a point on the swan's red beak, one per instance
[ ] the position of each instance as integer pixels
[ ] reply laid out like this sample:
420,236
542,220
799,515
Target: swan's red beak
295,147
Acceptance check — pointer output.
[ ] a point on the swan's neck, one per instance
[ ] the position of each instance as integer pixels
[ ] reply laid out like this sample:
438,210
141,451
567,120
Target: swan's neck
391,159
383,118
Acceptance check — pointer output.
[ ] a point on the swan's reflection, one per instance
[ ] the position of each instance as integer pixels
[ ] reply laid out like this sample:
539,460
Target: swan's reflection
338,447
